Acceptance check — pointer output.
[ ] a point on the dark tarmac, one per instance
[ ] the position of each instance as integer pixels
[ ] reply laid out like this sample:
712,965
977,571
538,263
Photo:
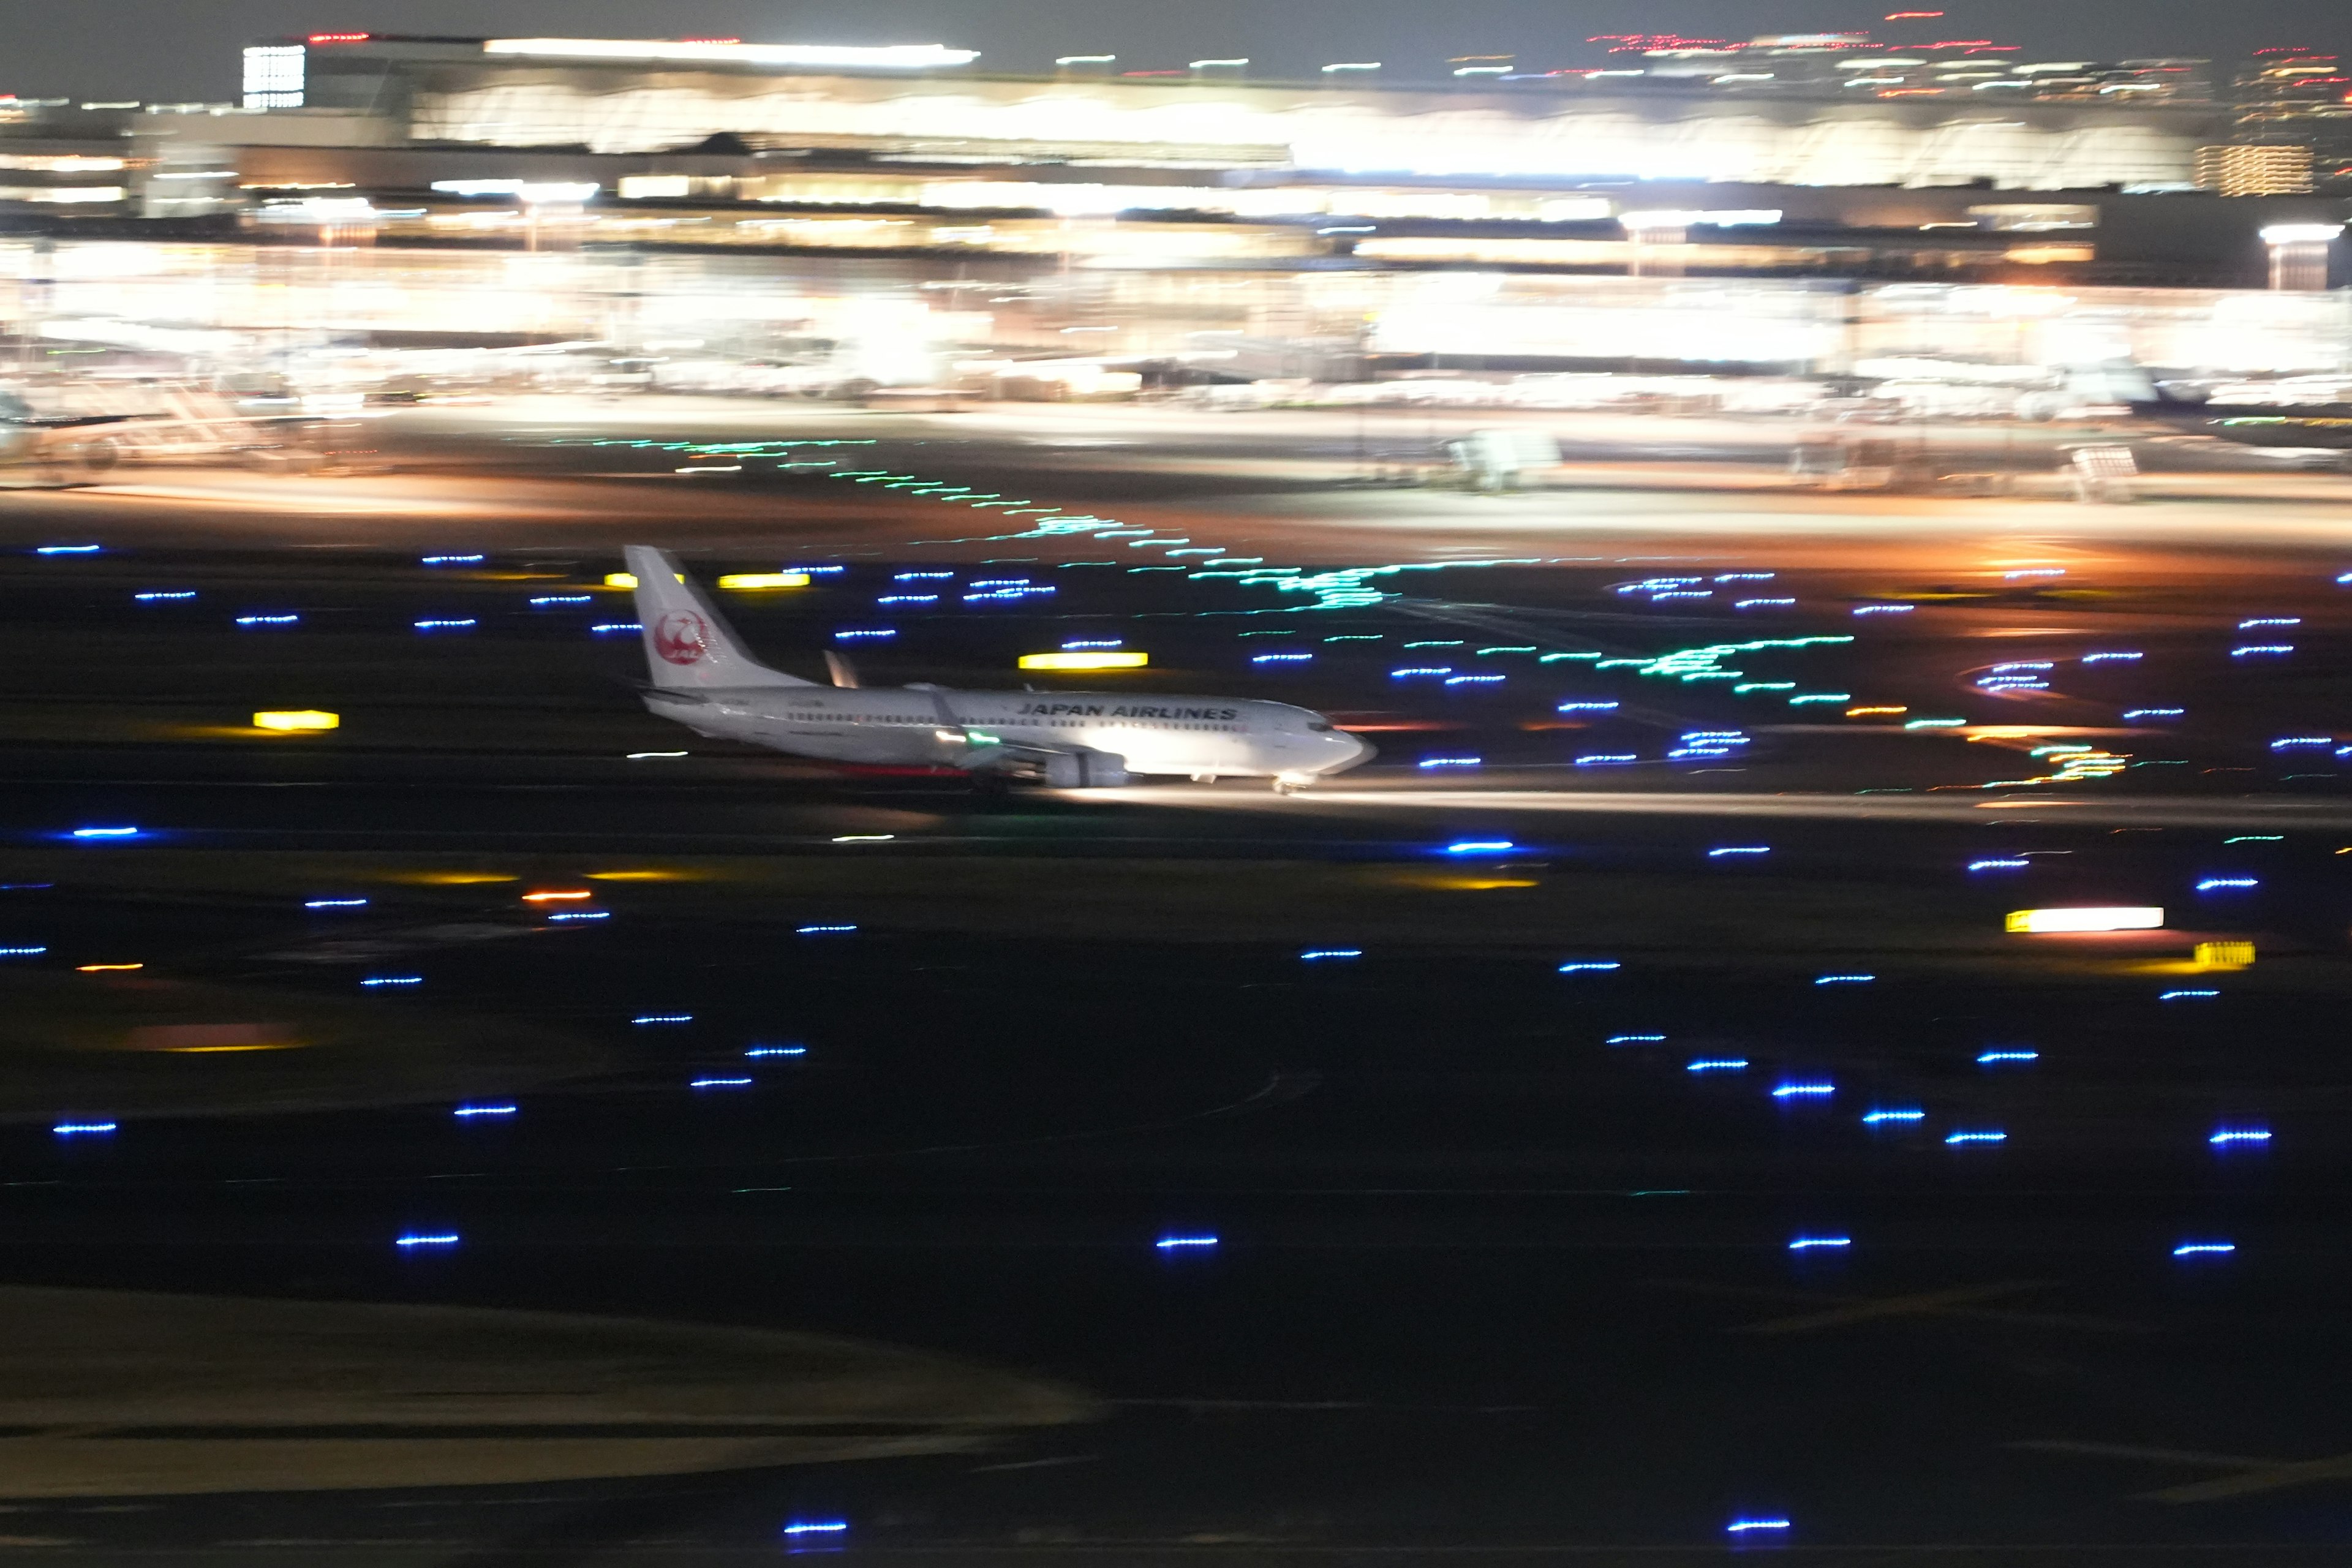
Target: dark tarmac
1509,1262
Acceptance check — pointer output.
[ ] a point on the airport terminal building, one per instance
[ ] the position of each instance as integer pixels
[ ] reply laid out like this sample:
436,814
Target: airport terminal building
747,200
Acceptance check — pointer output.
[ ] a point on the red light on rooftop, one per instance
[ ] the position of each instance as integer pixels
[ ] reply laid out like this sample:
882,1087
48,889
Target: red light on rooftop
1911,16
338,38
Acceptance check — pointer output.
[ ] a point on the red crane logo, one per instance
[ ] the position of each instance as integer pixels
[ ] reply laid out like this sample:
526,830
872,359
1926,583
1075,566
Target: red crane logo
679,636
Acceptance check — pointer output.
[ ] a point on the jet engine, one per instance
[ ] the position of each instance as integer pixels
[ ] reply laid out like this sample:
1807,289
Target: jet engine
1084,770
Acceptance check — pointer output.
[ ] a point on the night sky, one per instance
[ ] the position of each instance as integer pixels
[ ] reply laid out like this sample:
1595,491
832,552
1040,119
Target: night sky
187,48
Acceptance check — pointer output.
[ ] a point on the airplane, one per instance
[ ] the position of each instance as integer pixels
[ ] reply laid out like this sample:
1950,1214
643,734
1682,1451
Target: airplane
57,449
2286,415
705,680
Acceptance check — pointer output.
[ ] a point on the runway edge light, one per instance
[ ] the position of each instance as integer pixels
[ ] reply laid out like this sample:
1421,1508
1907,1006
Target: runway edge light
2117,917
297,719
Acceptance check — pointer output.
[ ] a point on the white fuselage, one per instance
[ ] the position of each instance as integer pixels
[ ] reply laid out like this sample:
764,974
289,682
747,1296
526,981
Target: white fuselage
911,726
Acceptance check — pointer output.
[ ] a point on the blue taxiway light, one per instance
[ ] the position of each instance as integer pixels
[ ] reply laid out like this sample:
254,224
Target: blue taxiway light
601,627
484,1111
1876,1118
777,1051
2216,884
106,833
1741,1526
432,1239
1803,1091
333,903
449,560
155,595
1314,955
1449,762
1989,1059
1844,979
2187,995
2203,1248
1590,966
662,1018
1740,849
2004,865
394,980
442,624
67,549
2228,1135
21,952
1976,1138
823,931
1807,1243
1481,846
582,915
81,1129
1173,1243
1634,1040
816,1527
1719,1064
267,620
563,599
718,1082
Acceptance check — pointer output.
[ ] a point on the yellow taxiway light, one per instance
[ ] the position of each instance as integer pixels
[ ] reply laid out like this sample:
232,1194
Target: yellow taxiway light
764,579
620,578
2118,918
1110,659
105,968
556,897
291,720
2225,955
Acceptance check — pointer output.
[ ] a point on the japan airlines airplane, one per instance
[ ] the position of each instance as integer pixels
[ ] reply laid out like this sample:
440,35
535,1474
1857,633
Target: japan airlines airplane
703,678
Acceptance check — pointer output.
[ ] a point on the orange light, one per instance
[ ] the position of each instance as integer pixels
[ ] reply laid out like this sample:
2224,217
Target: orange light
553,898
101,968
338,38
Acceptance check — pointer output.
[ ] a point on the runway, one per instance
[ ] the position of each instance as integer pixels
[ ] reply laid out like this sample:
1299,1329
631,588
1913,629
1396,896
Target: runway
1617,1110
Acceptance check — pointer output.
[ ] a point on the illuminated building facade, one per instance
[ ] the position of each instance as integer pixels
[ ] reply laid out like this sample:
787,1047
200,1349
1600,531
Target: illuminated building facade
628,97
2254,169
2299,98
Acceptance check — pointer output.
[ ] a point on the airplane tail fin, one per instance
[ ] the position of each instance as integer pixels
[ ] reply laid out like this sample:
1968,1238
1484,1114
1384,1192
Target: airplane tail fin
688,646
